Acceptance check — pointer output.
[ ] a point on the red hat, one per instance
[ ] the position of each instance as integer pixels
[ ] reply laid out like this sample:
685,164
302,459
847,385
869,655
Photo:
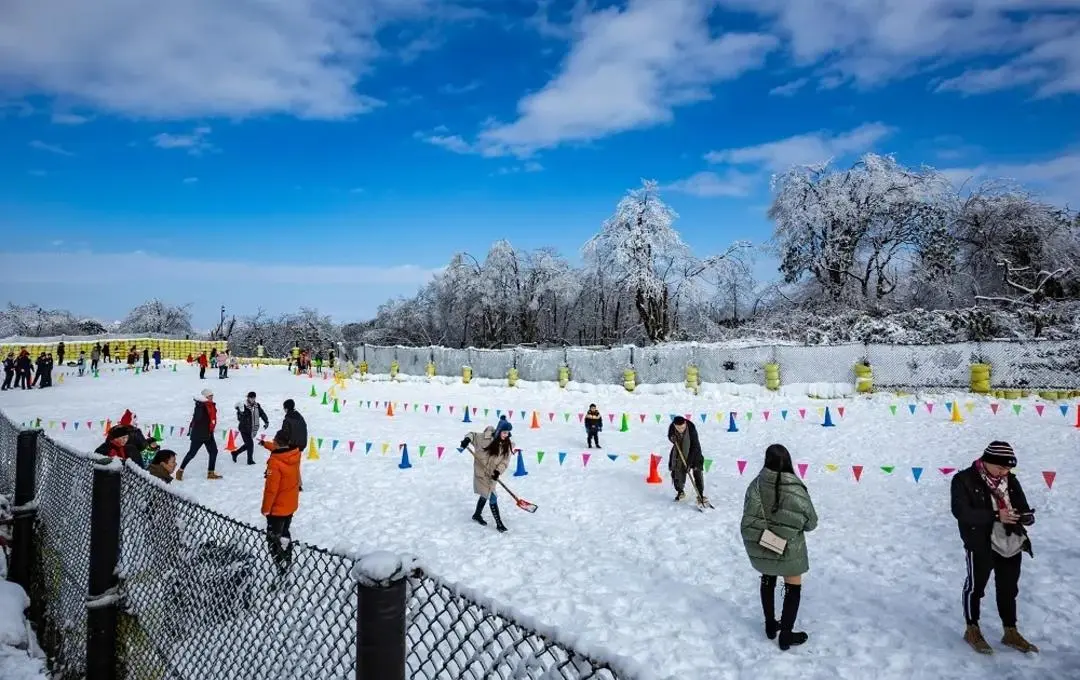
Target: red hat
127,418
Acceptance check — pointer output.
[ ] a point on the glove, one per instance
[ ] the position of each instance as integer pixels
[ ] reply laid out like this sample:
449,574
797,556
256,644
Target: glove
495,476
465,443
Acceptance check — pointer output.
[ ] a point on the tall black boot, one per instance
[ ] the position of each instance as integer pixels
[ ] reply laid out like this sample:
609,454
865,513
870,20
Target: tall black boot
478,515
498,518
788,636
768,605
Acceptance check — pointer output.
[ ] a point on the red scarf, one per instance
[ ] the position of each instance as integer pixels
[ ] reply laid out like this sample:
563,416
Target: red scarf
999,486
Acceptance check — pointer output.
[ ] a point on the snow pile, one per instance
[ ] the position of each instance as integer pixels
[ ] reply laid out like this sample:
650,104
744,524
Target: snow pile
20,656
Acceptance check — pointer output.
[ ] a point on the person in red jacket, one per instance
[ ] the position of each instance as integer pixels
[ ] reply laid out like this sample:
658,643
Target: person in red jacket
201,433
281,497
115,445
203,363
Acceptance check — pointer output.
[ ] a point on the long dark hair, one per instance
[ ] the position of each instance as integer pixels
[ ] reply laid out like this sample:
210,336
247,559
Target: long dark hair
778,460
500,446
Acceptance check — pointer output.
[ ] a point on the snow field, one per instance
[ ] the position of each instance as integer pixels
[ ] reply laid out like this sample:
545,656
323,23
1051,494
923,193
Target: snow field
609,562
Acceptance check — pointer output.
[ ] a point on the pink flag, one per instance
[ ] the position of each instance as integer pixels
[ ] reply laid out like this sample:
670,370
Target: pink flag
766,415
802,413
585,459
741,464
580,417
857,470
929,407
994,407
439,452
840,410
1048,477
451,409
611,417
426,407
642,416
351,445
947,470
802,469
1039,408
551,417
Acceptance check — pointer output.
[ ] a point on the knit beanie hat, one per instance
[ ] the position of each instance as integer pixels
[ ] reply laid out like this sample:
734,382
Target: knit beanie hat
999,453
504,424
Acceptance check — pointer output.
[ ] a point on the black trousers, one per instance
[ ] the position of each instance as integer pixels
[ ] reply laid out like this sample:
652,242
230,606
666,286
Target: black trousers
277,528
1006,571
211,451
93,364
678,477
249,446
592,438
8,376
202,372
223,371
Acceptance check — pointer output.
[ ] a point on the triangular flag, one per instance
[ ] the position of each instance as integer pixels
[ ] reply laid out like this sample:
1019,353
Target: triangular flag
1039,409
439,452
611,417
320,442
566,417
367,447
948,406
1064,408
857,471
1016,408
438,408
994,407
708,464
333,445
422,447
831,467
562,457
1048,477
385,447
539,456
892,408
585,459
634,457
888,469
783,414
551,417
612,457
840,411
802,469
802,414
75,424
765,415
741,465
642,416
911,407
704,417
916,472
351,445
658,417
947,470
929,407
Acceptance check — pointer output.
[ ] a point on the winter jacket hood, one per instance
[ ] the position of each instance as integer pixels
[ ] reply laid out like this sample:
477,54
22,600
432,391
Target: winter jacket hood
281,491
791,520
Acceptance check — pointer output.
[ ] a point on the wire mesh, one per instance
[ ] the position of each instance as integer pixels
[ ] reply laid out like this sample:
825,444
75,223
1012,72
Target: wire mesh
206,596
9,437
63,492
453,637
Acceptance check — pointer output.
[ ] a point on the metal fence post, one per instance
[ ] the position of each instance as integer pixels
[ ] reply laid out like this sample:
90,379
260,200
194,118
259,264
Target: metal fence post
380,618
102,601
25,511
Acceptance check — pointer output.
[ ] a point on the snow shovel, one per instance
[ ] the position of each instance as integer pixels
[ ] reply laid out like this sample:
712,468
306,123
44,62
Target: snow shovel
693,480
521,502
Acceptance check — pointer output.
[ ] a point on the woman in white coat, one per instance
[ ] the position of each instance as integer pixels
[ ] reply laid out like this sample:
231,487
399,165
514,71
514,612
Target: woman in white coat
491,456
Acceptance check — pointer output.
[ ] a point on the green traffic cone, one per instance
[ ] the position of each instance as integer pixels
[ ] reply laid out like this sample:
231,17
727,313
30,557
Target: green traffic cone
625,426
324,401
313,392
174,368
336,409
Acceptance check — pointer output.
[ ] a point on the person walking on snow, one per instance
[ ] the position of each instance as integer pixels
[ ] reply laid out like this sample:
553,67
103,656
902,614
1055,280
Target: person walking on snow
157,358
223,364
81,363
203,361
281,498
992,512
777,501
201,432
95,357
594,425
684,438
294,429
145,359
60,350
249,412
9,370
491,456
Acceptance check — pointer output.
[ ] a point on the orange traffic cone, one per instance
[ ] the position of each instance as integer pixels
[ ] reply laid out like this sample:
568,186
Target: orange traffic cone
654,470
108,426
390,409
535,422
230,443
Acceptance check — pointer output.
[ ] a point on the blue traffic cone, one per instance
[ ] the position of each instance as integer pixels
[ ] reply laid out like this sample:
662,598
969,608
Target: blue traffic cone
466,419
520,471
731,423
404,464
828,418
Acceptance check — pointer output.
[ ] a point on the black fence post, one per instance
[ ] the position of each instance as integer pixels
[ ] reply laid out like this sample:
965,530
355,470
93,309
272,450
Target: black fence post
25,512
380,617
102,601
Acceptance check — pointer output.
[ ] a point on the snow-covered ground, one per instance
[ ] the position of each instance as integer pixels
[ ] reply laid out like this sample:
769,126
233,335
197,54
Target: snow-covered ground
20,656
609,560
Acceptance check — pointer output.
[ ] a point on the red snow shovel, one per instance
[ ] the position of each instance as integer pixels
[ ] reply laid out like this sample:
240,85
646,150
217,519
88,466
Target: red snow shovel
521,502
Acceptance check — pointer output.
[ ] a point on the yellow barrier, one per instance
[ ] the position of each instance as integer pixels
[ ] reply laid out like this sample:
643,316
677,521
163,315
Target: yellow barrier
170,349
980,378
629,379
466,374
564,375
772,377
512,377
692,382
864,378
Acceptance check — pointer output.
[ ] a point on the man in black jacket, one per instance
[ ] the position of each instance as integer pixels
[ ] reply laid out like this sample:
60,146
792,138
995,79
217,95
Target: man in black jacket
293,430
684,438
249,412
991,511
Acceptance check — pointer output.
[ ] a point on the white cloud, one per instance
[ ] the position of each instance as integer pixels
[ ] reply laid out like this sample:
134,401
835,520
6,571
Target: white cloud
194,142
732,184
77,268
790,88
60,118
455,143
51,148
626,69
1057,178
812,147
190,180
527,167
200,58
872,42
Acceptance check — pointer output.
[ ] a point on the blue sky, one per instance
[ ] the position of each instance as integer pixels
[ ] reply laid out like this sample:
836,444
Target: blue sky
332,153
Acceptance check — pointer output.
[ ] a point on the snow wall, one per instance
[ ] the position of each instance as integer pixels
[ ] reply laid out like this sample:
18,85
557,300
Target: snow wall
1045,365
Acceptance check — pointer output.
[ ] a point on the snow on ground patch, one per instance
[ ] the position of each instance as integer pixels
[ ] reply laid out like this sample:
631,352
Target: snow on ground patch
612,562
20,656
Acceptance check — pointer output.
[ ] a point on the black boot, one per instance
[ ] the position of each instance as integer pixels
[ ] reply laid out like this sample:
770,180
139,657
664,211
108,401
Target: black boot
478,515
498,519
788,636
768,606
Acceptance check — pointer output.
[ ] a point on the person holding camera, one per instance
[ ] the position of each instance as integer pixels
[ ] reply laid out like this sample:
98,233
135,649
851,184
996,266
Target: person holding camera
992,512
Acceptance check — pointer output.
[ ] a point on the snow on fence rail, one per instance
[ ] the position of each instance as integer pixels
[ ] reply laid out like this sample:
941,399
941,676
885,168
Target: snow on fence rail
191,593
1013,364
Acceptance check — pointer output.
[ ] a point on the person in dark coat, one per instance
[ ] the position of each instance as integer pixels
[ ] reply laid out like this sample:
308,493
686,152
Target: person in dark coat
163,465
9,370
594,425
201,432
777,501
49,365
137,442
106,353
249,412
60,353
146,359
992,512
684,437
293,429
39,370
23,370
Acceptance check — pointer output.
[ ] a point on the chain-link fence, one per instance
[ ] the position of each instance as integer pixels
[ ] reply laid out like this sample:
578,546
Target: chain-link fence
451,636
192,594
1019,364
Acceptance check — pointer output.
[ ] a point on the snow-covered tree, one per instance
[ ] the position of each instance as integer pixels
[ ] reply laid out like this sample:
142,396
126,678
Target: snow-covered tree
155,316
37,322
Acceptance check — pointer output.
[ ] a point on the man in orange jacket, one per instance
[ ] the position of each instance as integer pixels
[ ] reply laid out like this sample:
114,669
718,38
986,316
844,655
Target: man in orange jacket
281,498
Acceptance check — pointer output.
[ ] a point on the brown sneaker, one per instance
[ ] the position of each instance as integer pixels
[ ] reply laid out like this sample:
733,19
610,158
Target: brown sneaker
974,637
179,474
1014,639
212,475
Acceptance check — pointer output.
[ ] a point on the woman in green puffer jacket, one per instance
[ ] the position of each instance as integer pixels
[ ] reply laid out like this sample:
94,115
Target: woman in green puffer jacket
777,500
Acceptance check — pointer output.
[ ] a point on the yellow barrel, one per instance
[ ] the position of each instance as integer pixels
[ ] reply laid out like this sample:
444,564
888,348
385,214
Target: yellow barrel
980,378
564,375
512,377
394,368
772,377
692,381
430,369
466,374
629,379
864,378
363,368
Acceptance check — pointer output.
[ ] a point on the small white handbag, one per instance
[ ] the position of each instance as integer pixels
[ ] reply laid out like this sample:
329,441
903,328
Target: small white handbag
769,540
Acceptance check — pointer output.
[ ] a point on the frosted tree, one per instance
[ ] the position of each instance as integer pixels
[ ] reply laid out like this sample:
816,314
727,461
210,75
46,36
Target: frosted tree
36,322
155,316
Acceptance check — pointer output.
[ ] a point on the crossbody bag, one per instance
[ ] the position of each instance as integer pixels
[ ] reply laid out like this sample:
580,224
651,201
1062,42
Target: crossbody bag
769,540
